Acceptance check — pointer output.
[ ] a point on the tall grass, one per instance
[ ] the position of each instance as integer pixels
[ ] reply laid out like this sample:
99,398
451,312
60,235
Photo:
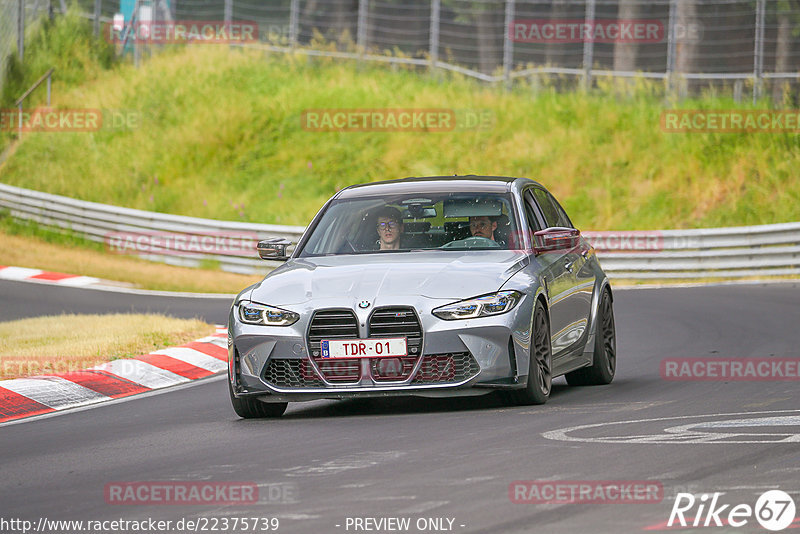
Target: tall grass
66,43
220,136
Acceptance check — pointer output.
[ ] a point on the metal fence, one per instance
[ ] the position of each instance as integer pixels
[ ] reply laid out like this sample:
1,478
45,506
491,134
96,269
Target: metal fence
15,17
736,45
767,250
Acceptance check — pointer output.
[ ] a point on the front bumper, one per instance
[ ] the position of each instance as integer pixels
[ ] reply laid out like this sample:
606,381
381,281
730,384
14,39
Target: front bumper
455,358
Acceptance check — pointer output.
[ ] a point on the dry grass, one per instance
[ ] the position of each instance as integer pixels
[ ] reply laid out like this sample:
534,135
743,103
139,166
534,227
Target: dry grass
36,253
60,343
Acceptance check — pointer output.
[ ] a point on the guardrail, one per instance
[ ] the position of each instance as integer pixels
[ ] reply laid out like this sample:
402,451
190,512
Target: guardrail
734,252
97,221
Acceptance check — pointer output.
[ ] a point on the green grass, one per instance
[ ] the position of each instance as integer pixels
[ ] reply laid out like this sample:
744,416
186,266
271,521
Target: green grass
220,136
66,43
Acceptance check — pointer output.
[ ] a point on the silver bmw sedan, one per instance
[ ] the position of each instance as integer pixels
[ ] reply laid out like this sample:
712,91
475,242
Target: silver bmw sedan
431,286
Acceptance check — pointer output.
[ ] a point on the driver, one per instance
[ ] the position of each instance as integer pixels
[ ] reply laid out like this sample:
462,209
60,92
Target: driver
389,225
482,227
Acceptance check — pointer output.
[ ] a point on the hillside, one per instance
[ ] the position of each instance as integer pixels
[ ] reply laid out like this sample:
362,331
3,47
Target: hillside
219,133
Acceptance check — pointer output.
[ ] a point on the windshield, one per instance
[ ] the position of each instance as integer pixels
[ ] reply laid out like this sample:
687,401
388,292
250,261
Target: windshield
402,223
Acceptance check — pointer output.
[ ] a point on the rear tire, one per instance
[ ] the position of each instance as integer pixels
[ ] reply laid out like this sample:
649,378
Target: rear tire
540,375
604,365
250,408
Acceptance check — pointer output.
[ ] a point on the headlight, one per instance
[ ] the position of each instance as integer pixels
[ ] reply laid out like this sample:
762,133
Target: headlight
252,313
493,304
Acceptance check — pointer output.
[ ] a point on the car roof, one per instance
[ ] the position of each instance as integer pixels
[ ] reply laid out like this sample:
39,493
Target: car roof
435,184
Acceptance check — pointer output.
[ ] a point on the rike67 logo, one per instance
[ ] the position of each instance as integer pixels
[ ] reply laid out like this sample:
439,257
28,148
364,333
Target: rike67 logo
774,510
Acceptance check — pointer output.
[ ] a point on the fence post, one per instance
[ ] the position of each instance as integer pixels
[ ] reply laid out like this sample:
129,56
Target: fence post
228,13
97,9
588,45
508,43
670,72
433,45
294,8
21,29
361,27
758,53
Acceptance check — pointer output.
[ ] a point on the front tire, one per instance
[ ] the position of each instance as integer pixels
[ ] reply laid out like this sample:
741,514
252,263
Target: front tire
250,408
540,375
604,365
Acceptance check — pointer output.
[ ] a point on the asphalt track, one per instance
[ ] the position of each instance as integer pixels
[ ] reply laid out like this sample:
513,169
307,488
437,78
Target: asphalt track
447,458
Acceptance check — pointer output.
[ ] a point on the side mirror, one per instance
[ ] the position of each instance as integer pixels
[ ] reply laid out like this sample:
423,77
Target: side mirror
555,238
273,248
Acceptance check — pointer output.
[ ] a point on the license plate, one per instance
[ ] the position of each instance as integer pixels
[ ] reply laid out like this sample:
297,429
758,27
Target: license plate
387,347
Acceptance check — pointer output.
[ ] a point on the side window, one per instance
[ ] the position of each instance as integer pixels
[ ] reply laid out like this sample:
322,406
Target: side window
554,214
562,215
534,220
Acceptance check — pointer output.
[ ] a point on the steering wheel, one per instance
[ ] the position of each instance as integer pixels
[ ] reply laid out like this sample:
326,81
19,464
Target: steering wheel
472,242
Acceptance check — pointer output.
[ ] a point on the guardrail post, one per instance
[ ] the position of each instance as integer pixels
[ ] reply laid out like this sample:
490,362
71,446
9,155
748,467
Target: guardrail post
294,10
588,45
508,43
433,45
758,53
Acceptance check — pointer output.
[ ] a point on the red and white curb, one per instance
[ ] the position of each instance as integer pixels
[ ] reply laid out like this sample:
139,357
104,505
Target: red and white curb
37,275
37,395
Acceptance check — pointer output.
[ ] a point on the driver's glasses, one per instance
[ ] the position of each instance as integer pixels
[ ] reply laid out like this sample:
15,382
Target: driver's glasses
482,225
391,225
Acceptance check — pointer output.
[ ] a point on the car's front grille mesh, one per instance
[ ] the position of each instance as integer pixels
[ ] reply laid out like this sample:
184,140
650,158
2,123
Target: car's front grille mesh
446,368
332,324
291,374
395,322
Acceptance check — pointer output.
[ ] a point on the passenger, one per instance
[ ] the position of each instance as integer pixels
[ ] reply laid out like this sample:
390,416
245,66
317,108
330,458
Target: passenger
390,227
482,227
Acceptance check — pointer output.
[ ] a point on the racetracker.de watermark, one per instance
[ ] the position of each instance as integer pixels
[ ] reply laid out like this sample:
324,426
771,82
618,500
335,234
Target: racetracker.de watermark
181,493
585,491
730,121
730,369
183,32
68,120
20,366
396,119
579,31
609,242
637,241
177,244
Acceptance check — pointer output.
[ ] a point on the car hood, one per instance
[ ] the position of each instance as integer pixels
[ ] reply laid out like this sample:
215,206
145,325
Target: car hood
436,274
